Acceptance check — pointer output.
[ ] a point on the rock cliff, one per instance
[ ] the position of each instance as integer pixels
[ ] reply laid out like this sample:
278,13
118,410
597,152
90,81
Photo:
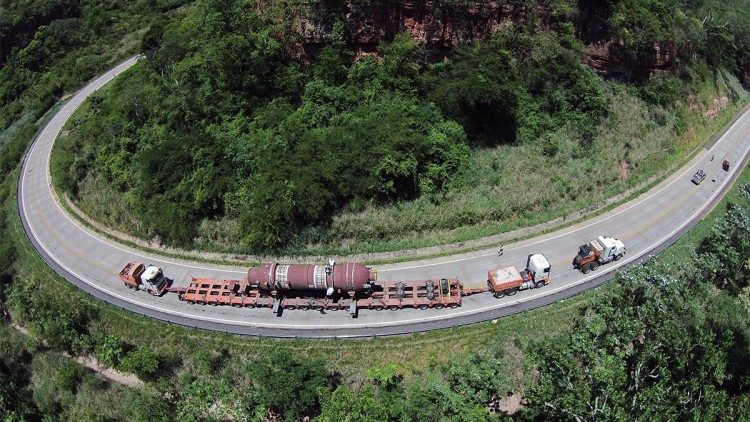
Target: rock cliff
440,25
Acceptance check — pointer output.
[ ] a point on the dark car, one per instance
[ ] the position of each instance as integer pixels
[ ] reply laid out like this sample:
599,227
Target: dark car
699,176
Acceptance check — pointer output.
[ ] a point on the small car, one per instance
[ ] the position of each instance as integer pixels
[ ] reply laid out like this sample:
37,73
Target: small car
698,177
725,165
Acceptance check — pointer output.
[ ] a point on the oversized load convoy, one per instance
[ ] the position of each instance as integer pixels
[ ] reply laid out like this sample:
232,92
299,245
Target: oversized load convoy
509,281
599,251
334,286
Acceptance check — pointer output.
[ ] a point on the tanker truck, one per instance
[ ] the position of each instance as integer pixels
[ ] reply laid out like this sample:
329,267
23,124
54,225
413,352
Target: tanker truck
509,281
148,278
599,251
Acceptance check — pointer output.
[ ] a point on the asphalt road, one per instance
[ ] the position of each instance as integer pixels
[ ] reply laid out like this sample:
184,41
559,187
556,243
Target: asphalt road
646,224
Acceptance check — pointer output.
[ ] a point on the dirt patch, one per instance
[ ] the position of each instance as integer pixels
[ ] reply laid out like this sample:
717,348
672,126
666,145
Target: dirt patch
623,169
508,405
92,363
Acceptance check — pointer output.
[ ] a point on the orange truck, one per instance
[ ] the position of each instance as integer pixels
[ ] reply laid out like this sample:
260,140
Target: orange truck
147,278
599,251
509,281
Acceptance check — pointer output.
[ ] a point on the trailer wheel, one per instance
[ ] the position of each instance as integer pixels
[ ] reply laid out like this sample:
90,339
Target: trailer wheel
304,308
334,308
393,308
423,306
453,305
379,308
500,294
201,302
250,306
439,306
191,302
594,266
236,305
585,268
511,292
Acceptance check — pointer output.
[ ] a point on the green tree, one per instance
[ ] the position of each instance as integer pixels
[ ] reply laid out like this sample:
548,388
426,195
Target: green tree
281,376
479,88
213,400
149,406
479,378
647,350
432,400
143,362
722,256
348,406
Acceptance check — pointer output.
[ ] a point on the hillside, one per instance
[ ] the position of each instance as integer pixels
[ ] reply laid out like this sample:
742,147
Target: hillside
360,126
481,135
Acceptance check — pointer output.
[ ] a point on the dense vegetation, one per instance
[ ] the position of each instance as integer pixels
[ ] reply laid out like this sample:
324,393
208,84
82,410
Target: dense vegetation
665,341
222,135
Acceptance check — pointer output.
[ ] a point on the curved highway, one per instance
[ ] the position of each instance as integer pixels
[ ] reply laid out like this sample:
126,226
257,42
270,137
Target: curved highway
646,224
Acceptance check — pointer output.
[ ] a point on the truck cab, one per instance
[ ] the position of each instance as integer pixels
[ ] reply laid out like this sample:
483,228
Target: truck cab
153,280
538,268
508,280
608,249
140,277
599,251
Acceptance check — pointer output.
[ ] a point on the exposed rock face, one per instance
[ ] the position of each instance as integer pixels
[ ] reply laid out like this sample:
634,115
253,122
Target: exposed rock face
439,26
432,23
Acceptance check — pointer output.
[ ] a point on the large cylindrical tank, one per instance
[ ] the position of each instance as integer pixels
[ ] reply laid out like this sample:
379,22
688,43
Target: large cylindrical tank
347,277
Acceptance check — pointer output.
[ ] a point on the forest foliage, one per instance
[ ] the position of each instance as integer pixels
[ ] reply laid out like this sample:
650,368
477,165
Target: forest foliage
222,120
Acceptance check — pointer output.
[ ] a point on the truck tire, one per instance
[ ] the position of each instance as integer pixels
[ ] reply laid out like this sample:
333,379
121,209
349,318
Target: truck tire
539,285
511,292
498,295
617,257
453,305
423,306
594,266
585,268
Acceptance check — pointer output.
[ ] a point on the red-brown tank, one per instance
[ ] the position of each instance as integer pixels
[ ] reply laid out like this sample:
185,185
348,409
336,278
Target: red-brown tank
347,277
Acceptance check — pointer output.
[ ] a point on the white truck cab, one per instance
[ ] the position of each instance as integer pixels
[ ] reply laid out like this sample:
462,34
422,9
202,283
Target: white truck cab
608,249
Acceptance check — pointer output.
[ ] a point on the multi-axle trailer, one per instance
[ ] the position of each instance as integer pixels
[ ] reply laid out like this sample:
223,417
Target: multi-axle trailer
333,286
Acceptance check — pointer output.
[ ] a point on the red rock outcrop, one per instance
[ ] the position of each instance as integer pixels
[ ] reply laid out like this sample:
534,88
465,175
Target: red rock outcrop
440,25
